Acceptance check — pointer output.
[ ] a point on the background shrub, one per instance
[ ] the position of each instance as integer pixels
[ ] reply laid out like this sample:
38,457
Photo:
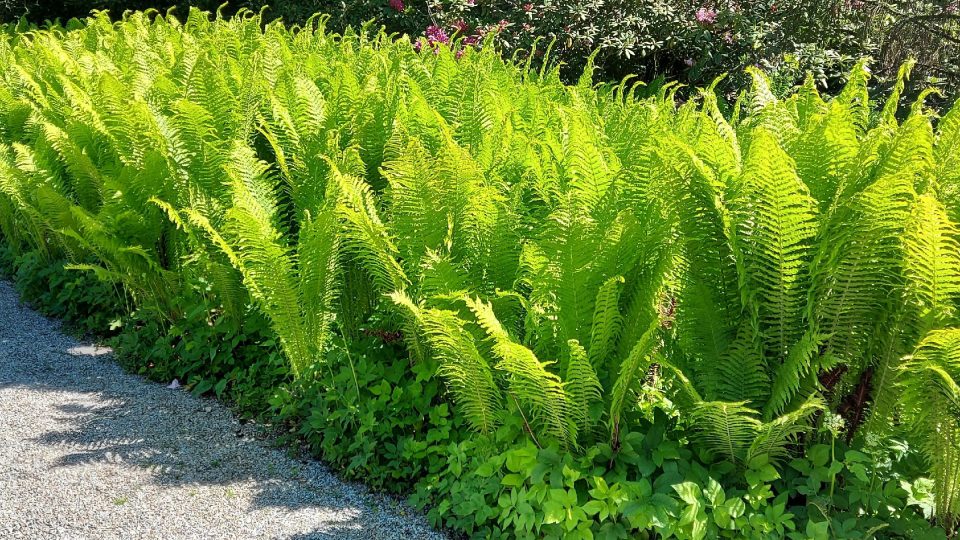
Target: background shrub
692,41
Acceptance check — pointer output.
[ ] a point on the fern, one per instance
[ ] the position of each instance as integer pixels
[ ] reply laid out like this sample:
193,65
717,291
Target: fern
366,236
467,373
267,265
529,380
318,257
776,223
607,320
565,255
727,429
629,377
582,387
931,397
932,263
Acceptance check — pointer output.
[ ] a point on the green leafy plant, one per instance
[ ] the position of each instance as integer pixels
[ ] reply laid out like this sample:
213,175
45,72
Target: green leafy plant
547,310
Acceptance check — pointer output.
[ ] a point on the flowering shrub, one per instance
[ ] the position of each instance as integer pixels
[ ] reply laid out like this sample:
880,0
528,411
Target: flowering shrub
697,40
693,41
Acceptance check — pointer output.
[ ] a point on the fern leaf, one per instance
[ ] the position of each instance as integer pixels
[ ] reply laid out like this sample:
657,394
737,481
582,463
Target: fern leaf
726,429
631,370
318,262
774,437
607,320
529,379
582,387
462,367
776,224
932,262
931,398
366,236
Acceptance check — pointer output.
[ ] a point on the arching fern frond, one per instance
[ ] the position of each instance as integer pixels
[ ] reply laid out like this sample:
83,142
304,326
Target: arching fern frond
774,437
528,379
463,368
365,235
931,398
932,263
776,225
607,320
318,260
726,429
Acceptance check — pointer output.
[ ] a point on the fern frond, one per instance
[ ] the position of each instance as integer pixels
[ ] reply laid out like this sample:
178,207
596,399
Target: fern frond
365,235
947,159
318,262
889,113
582,387
798,365
726,429
776,221
931,398
529,380
462,367
826,153
264,257
607,320
774,437
631,371
740,372
850,295
911,152
932,263
856,94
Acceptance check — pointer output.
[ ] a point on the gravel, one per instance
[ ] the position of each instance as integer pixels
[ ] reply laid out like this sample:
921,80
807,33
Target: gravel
89,451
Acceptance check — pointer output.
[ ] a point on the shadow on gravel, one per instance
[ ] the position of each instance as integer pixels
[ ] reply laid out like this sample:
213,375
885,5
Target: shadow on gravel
104,415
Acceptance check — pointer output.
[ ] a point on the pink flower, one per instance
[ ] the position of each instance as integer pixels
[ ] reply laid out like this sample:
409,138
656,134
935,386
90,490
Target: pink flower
435,35
471,3
728,38
397,5
471,40
460,26
459,54
528,7
706,15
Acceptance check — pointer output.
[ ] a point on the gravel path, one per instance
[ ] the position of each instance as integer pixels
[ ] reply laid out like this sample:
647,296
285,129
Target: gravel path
90,452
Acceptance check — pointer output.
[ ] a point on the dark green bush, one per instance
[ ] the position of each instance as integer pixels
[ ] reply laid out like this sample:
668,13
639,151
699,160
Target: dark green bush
691,41
86,304
38,11
694,41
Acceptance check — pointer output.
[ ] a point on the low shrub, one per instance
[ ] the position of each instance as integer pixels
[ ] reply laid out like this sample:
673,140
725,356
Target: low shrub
88,305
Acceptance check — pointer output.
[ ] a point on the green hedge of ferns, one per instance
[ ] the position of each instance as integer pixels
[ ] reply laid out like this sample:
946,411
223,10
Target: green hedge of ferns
541,310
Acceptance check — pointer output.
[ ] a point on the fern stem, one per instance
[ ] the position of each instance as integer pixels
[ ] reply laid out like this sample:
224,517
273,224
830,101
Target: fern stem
526,424
353,370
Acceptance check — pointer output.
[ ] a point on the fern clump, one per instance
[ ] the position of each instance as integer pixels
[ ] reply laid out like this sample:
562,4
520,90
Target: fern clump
618,310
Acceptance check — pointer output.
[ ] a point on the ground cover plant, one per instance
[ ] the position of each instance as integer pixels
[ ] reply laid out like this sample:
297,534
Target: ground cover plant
542,310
